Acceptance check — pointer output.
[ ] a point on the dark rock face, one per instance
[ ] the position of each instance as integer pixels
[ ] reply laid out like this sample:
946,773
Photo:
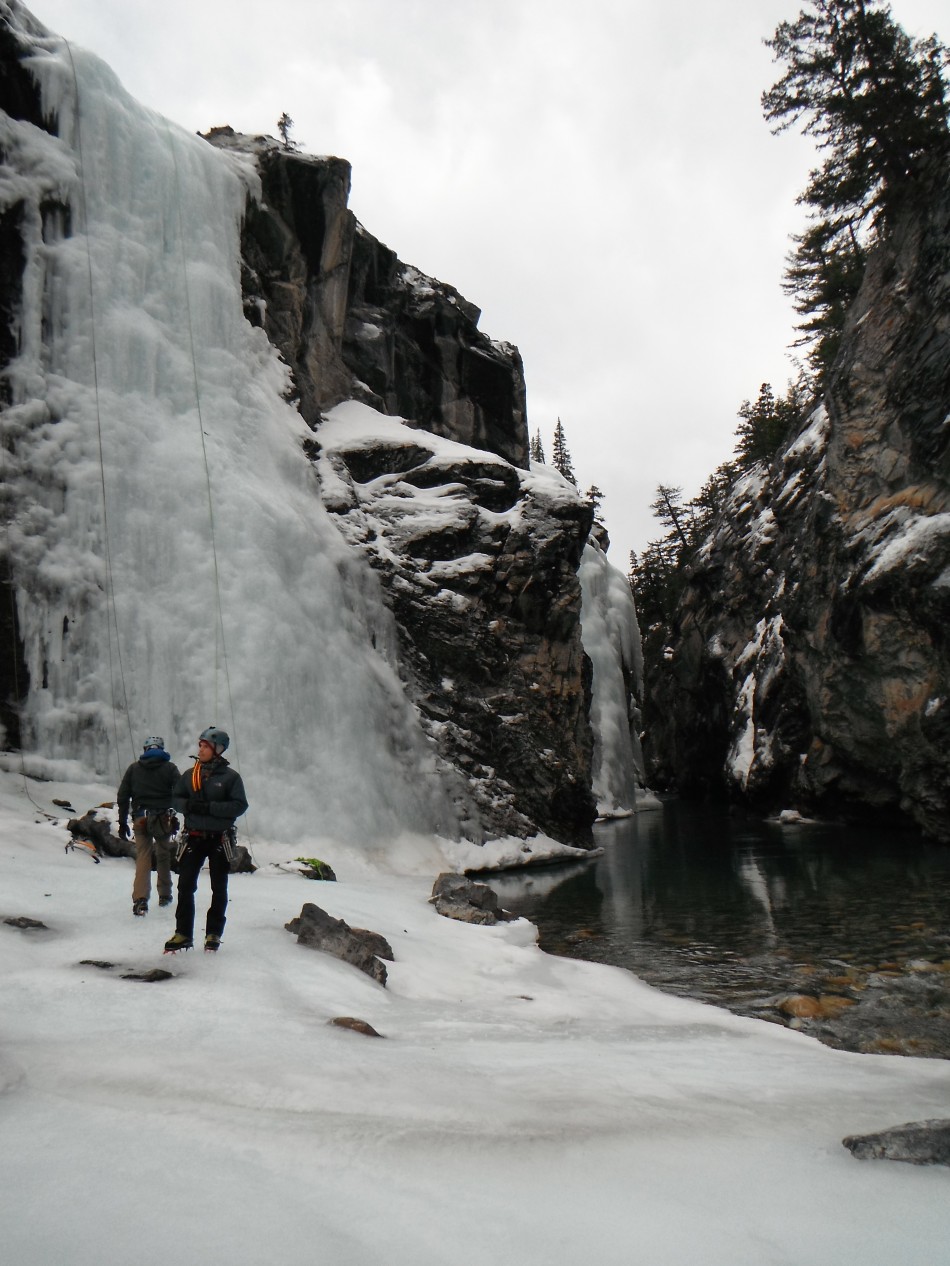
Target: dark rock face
20,99
297,247
478,561
353,322
487,610
19,94
809,663
918,1143
414,343
357,946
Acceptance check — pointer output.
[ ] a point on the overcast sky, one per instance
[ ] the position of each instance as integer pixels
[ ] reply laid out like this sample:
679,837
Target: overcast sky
595,175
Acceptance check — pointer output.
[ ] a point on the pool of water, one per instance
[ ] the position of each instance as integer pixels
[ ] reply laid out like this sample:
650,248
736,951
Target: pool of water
843,932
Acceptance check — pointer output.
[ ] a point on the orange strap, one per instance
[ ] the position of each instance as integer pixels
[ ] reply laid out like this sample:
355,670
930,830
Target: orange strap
196,777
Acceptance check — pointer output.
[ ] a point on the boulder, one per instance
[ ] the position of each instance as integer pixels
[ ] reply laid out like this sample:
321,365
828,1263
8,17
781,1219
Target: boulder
356,1026
917,1143
315,928
458,897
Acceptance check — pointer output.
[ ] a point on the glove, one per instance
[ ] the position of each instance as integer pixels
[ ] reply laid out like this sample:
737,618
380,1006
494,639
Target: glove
123,829
196,805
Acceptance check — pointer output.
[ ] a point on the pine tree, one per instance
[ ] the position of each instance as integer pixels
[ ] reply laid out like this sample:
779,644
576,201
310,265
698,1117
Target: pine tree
822,277
875,100
560,456
765,425
595,497
285,126
536,449
669,509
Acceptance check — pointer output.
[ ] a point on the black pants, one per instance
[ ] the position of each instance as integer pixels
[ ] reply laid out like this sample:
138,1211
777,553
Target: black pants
202,846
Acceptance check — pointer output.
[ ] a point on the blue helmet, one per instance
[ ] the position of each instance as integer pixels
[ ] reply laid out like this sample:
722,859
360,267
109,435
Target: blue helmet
219,739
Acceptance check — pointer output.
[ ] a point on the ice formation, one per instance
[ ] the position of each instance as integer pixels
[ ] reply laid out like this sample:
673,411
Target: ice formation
173,564
612,641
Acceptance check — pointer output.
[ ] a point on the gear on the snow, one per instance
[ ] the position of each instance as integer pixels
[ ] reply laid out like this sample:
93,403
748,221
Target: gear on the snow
140,906
211,943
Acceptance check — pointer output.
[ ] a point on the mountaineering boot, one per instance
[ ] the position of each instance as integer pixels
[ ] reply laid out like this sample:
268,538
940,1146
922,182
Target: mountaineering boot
178,942
211,943
140,907
164,901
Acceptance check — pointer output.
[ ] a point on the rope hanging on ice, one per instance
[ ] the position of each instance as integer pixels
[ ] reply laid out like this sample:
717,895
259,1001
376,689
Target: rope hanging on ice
219,622
102,472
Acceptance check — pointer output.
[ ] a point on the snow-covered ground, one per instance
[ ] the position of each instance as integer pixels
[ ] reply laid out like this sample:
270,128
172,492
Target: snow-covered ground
520,1107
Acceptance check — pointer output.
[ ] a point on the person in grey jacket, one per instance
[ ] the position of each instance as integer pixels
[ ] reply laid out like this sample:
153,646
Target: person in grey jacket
211,796
146,787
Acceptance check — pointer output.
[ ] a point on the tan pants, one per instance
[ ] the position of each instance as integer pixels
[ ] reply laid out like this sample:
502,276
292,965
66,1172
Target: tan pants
150,839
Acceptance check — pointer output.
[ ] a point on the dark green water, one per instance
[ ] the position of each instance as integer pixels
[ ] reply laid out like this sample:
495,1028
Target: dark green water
748,915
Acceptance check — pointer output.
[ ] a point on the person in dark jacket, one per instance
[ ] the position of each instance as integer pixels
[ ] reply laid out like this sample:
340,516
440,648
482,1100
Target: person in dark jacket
211,796
147,787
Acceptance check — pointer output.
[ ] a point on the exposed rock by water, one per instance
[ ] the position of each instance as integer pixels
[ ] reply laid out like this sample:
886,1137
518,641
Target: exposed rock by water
457,897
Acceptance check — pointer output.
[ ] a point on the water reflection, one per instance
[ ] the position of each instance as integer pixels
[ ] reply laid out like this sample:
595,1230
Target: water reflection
747,914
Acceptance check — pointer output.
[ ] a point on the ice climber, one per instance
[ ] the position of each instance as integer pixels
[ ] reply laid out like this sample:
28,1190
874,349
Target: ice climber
147,786
211,795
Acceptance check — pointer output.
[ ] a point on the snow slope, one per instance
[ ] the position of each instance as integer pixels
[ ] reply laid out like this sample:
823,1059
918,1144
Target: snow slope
520,1107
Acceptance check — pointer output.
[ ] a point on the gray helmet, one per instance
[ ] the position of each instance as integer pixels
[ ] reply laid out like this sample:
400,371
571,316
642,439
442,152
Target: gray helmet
219,739
153,740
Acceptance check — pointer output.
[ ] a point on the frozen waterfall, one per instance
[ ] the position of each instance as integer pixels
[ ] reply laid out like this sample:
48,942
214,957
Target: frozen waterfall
173,564
612,641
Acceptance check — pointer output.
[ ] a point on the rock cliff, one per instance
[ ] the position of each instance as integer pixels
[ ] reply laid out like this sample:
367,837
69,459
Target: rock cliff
479,561
477,556
808,665
354,322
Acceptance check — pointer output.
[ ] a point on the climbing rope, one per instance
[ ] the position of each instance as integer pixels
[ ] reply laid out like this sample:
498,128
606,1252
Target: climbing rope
219,621
219,616
102,472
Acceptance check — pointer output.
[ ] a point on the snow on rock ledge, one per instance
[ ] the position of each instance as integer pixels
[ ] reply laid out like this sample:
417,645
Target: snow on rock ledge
478,560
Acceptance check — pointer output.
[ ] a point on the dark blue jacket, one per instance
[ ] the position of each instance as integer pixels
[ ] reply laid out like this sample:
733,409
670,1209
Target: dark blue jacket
221,787
148,783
